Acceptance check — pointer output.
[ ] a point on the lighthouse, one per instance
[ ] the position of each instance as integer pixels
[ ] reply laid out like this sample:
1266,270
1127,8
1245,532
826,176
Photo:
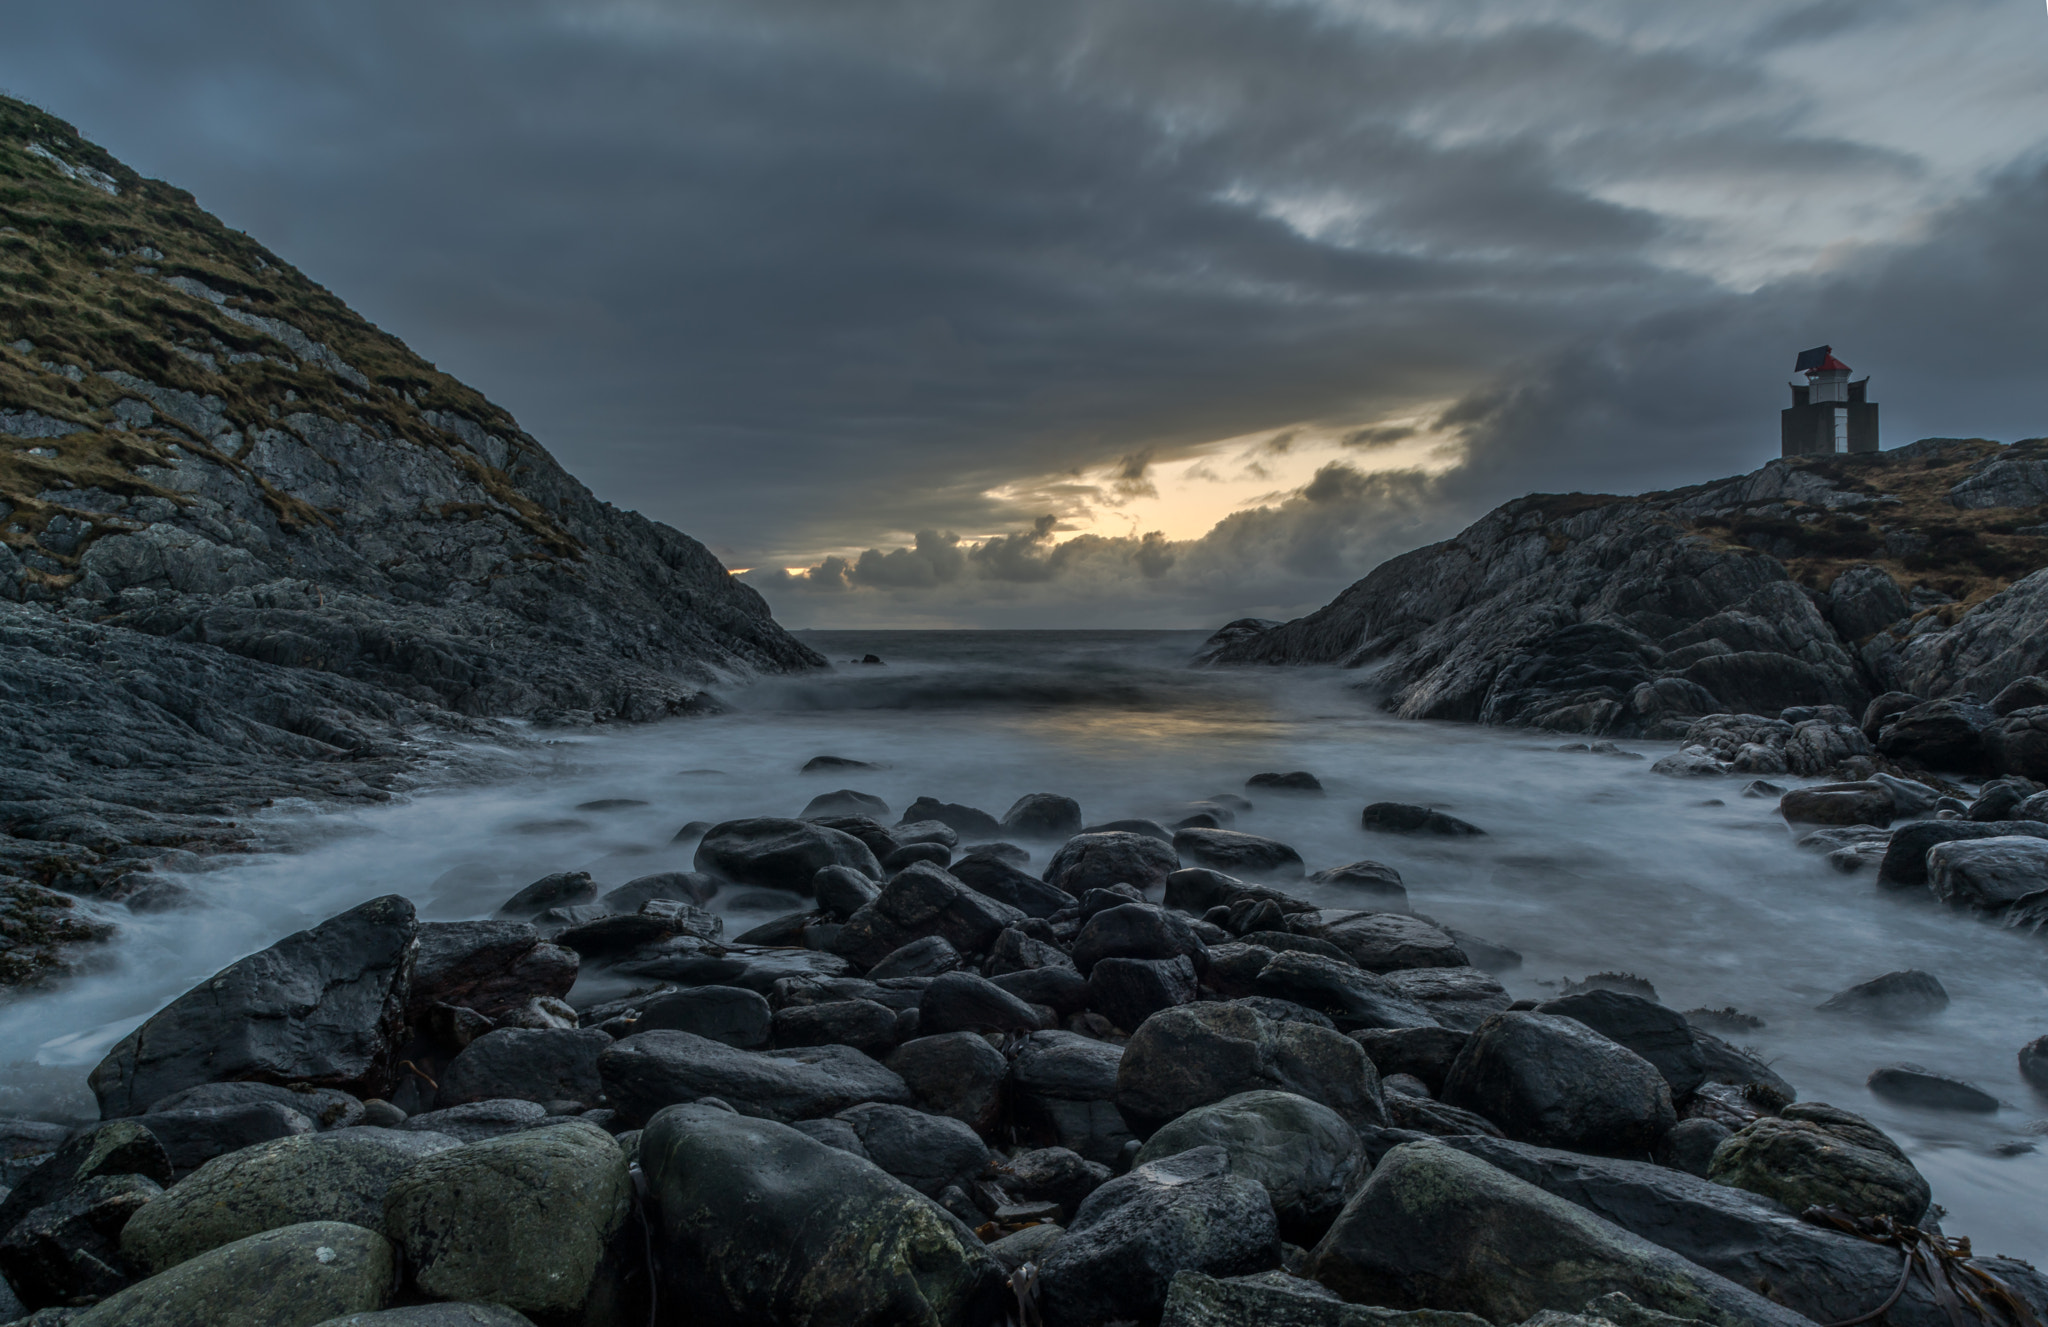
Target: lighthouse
1830,415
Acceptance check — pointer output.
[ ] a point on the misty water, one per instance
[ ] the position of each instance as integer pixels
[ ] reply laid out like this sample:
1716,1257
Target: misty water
1590,862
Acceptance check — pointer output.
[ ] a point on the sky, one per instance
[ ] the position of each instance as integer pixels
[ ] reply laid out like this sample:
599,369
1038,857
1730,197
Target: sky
1090,313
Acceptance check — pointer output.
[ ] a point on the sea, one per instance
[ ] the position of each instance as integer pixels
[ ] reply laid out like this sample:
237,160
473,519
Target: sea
1589,864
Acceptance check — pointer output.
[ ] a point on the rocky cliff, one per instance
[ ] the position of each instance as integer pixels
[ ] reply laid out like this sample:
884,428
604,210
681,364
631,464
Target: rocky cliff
1814,581
252,546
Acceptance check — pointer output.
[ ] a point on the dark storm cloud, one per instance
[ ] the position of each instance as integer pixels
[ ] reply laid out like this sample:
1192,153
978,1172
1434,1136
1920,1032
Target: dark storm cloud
796,276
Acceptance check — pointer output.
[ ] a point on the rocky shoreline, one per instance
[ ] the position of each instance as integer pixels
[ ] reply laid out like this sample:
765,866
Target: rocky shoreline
1147,1083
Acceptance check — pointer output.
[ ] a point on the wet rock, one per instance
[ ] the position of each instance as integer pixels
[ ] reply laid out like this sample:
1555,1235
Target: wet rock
842,891
435,1315
1002,852
910,833
1690,1145
478,1120
938,854
522,1221
323,1006
1552,1080
754,1222
1403,818
1305,1155
1003,881
326,1107
780,854
1196,889
2034,1063
194,1136
563,889
1060,989
1135,930
295,1276
1062,1086
492,967
1029,1245
1121,1251
672,886
1373,880
68,1251
1043,816
1014,951
1436,1228
1939,734
650,1070
927,1152
1661,1036
918,902
1184,1058
1051,1174
965,821
339,1176
1300,781
928,957
1689,765
963,1002
1455,997
1238,853
1839,804
1425,1116
2021,694
1988,873
1425,1052
957,1074
1905,859
1813,1154
865,1025
1999,800
1736,1067
1863,601
606,939
1099,860
731,1014
867,829
844,802
118,1147
1389,941
1907,994
1151,829
1275,1299
515,1063
26,1144
1349,995
1914,1085
1127,991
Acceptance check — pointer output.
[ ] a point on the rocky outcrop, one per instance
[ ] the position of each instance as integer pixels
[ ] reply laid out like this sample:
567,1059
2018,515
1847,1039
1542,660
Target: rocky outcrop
1807,583
249,542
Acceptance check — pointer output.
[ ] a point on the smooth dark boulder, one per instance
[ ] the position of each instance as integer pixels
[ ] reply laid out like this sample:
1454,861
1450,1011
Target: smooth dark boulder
1062,1088
492,967
563,889
1187,1057
956,1074
1815,1155
671,886
1151,829
1403,818
1914,1085
1305,1155
295,1276
1554,1081
772,853
1060,989
1238,853
1099,860
919,901
1043,816
1661,1036
1299,781
753,1222
2034,1063
1275,1299
1374,880
1006,882
731,1014
844,802
842,891
1690,1145
1135,930
606,939
1987,874
1196,889
529,1065
650,1070
476,1120
1427,1053
1349,995
930,957
326,1107
68,1251
1051,1174
196,1135
927,1152
324,1006
117,1147
938,854
963,1002
1910,993
1014,951
1905,857
26,1144
1437,1228
867,1026
1939,734
1127,991
1862,803
1186,1212
2024,693
338,1176
965,821
1389,941
1457,997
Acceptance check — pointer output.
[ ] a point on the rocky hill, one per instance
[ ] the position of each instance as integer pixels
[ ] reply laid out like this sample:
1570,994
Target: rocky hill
1813,581
251,545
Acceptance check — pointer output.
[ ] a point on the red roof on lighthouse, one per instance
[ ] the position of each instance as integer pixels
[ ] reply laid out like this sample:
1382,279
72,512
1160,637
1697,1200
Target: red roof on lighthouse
1818,360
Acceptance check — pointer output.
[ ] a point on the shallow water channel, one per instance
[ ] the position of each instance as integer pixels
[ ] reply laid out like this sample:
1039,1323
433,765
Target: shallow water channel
1590,863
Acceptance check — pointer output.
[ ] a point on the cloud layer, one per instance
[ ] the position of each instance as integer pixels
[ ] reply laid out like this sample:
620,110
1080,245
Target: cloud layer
873,290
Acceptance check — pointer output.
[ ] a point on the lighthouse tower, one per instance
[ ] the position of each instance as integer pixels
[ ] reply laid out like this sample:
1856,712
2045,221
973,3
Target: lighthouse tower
1830,415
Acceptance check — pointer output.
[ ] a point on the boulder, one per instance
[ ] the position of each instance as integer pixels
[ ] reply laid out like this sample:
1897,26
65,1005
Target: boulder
1661,1036
26,1144
1060,989
68,1251
1127,991
295,1276
1043,816
1374,880
607,939
965,821
920,958
1014,951
1388,941
753,1222
1815,1155
1274,1299
522,1221
963,1002
1183,1058
780,854
1349,995
1403,818
1552,1080
865,1025
117,1147
1689,765
1819,745
2024,693
1006,882
1062,1088
1863,601
1905,857
1186,1212
842,891
517,1063
1427,1053
1865,803
1907,994
1196,889
731,1014
671,886
1051,1174
1690,1146
477,1120
919,901
1135,930
491,967
1436,1228
956,1074
1299,781
1097,861
1939,734
196,1135
650,1070
1913,1085
844,802
563,889
912,832
324,1006
326,1107
434,1315
938,854
339,1176
2034,1063
1238,853
1987,874
1305,1156
927,1152
1460,998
